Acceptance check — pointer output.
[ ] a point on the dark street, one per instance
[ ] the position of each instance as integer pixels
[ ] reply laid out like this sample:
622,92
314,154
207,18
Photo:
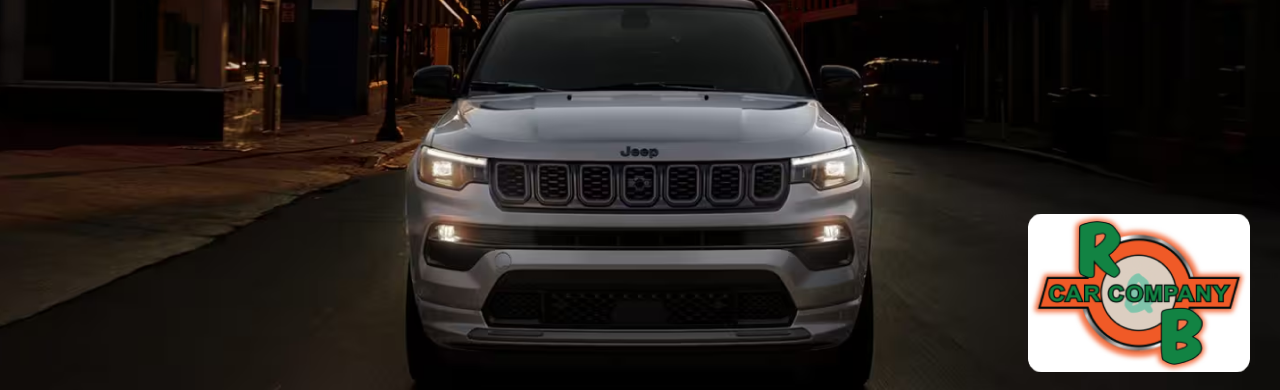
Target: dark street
310,296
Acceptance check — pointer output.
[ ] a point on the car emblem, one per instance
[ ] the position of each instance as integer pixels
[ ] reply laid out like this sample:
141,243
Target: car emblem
640,183
639,152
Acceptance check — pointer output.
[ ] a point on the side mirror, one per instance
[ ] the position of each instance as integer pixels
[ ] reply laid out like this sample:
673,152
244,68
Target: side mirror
435,81
838,82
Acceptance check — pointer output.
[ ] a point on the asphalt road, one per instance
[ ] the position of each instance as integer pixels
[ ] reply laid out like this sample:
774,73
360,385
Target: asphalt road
310,297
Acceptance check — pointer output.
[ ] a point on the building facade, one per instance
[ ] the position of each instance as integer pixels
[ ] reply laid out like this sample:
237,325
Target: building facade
189,68
1171,88
213,69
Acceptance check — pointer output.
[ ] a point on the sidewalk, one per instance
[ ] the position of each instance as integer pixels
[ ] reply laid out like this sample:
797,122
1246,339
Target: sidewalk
75,218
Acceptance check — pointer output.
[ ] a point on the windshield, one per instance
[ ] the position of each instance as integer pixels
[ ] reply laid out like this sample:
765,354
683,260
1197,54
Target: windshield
638,47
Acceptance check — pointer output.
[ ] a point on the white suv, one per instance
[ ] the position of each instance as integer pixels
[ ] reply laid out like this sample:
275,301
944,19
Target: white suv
638,174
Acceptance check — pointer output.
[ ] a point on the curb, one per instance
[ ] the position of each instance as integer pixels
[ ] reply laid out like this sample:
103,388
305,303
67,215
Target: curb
390,152
1059,159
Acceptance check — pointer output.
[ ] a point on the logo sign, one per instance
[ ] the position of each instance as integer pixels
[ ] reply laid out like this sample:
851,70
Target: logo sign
1138,292
639,152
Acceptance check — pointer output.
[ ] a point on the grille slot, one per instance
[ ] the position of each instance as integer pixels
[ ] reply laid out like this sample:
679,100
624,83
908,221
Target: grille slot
596,184
725,185
511,182
554,184
767,182
683,185
639,183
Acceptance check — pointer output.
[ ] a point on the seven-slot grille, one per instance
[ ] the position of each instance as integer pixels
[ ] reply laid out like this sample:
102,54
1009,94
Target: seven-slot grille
677,186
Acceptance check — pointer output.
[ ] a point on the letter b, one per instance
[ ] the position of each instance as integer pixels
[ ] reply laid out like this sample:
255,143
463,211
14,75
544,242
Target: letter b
1170,336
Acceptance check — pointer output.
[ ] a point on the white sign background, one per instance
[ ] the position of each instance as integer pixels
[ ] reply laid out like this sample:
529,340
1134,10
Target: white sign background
1061,341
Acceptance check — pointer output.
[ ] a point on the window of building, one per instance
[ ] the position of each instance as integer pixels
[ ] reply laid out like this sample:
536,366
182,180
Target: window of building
246,59
179,40
378,46
143,41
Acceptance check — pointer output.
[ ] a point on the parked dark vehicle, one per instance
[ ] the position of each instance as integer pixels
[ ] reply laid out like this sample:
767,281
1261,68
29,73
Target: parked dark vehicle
913,97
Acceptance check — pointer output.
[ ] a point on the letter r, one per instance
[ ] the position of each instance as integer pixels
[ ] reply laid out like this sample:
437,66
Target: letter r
1099,254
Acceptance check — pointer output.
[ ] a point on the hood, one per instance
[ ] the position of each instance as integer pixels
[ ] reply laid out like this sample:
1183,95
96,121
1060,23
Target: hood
598,126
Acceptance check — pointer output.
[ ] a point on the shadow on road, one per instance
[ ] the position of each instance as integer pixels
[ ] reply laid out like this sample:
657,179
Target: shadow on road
635,371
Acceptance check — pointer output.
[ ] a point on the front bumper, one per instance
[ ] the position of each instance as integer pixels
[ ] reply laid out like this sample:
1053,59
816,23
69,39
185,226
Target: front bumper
450,302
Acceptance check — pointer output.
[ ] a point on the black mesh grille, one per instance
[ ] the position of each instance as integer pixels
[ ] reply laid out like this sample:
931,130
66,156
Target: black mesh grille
639,184
726,183
640,309
639,299
763,306
597,184
511,181
553,182
682,183
767,182
516,306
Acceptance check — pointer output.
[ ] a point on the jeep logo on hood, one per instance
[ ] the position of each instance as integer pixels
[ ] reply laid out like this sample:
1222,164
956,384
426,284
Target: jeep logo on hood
639,152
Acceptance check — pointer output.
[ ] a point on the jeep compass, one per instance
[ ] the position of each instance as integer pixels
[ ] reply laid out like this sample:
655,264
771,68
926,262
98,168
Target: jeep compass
638,174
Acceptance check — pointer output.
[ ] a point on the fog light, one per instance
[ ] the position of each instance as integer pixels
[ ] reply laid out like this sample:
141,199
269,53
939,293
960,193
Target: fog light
831,233
446,233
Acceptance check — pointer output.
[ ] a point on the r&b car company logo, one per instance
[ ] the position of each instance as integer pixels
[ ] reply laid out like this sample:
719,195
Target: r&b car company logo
1138,293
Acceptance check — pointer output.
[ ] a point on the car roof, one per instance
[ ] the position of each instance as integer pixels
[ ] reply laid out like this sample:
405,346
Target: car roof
528,4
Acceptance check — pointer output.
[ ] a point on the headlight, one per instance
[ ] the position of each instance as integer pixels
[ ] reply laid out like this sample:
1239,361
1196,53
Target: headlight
827,170
450,170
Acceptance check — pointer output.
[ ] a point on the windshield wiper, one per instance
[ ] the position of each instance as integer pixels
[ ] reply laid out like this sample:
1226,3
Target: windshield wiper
502,86
652,86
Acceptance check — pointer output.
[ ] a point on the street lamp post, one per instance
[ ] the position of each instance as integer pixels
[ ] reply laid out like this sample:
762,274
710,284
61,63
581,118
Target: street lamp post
395,28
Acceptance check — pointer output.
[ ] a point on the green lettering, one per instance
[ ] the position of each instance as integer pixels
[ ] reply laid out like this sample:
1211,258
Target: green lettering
1057,288
1131,290
1222,291
1204,293
1100,254
1073,294
1171,336
1091,292
1170,291
1154,293
1184,294
1111,293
